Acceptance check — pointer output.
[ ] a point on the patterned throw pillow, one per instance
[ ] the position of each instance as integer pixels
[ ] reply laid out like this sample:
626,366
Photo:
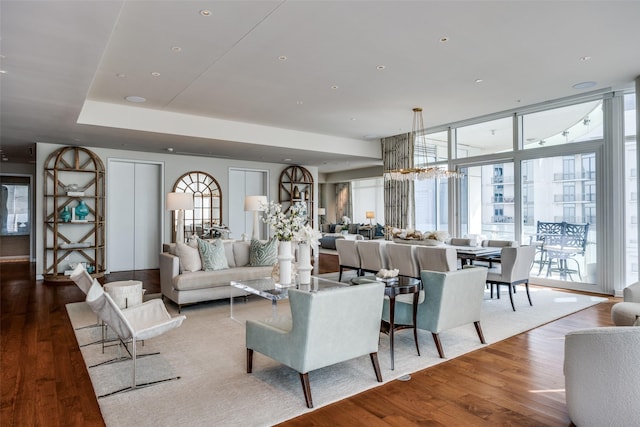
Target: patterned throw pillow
263,254
213,255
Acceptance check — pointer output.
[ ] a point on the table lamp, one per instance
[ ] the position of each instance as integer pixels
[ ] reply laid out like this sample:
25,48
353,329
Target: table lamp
255,204
370,215
180,202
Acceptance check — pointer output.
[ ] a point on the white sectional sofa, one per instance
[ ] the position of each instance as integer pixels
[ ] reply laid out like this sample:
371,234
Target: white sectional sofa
195,286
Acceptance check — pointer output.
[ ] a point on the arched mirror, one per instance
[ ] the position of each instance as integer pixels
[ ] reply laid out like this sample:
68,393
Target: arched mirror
205,220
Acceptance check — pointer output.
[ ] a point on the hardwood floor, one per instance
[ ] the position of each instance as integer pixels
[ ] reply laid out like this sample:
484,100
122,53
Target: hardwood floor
517,381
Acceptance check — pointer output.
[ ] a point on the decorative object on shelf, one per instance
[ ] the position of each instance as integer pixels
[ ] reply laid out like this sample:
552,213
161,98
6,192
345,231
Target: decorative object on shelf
71,187
255,204
179,202
419,168
370,215
296,193
82,210
65,214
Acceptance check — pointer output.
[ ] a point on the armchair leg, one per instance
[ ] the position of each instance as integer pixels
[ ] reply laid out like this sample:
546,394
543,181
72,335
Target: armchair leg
511,296
526,286
479,331
306,388
249,360
436,340
376,366
340,275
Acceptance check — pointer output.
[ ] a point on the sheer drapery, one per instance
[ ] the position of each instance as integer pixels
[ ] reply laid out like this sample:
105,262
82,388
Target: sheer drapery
343,201
397,152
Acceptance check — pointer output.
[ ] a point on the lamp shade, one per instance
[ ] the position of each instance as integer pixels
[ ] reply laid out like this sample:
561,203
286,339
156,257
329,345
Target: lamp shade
322,211
177,201
370,214
254,203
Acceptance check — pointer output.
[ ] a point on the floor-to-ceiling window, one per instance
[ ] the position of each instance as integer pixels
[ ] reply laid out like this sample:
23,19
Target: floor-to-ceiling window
367,195
631,190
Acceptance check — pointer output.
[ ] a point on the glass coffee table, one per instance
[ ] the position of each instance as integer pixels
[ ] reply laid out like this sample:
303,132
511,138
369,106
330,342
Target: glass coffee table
267,288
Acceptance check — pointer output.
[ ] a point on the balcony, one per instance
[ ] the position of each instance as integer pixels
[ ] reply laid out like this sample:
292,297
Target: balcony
502,219
502,199
502,180
572,198
581,176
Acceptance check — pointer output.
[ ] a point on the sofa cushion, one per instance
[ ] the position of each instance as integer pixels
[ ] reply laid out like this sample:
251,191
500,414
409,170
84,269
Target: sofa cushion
209,279
213,255
189,257
263,253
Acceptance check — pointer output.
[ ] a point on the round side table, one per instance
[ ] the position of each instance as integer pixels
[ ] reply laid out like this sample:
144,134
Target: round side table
125,293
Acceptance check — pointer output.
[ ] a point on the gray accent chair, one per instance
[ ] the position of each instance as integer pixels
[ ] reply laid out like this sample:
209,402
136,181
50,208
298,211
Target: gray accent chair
627,313
347,256
436,258
325,328
602,376
448,300
514,269
402,257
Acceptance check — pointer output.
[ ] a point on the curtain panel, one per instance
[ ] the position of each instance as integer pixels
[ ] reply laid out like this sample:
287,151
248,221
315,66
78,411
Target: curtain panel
397,152
343,201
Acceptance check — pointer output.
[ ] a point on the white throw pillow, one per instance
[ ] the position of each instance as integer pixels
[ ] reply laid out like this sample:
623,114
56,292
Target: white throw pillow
189,257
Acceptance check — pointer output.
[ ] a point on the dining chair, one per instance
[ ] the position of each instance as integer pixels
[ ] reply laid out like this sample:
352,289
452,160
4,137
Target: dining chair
436,258
347,256
514,269
488,260
402,257
141,322
373,256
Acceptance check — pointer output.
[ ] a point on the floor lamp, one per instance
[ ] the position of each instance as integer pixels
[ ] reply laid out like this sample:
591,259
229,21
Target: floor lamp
255,204
179,202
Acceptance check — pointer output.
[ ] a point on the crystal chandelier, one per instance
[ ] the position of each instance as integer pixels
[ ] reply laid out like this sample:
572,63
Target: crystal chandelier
423,171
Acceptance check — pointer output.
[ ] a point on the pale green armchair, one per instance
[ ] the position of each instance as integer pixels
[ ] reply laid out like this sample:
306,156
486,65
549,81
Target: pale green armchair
326,327
448,300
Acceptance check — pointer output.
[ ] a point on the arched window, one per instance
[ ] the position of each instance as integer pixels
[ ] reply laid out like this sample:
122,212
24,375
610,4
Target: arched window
207,202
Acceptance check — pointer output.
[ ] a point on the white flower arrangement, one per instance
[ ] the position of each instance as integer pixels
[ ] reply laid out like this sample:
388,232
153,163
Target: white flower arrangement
308,235
285,226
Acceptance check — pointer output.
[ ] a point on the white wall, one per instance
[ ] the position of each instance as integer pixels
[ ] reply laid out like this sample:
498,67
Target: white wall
174,167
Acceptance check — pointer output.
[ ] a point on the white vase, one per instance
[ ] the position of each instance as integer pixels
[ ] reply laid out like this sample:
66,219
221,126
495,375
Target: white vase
304,263
284,262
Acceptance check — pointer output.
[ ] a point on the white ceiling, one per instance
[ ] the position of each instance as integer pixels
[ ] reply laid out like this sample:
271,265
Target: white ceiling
70,64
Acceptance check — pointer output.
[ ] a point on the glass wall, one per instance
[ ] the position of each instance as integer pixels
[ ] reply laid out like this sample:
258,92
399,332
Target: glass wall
368,195
494,136
631,190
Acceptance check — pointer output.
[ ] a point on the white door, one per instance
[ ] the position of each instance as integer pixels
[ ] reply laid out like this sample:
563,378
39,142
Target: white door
133,215
242,183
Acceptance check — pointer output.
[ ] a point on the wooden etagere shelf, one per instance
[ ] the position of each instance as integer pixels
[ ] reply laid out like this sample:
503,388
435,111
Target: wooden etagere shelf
296,186
73,176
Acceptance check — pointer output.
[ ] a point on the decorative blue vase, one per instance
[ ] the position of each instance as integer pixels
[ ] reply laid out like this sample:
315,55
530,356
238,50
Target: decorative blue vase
81,210
65,214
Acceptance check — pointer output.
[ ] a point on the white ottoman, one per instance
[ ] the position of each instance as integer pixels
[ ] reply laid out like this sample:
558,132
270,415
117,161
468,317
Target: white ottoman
125,293
625,313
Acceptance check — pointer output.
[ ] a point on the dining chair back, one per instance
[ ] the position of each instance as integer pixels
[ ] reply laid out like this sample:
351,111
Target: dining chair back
347,256
436,258
402,257
514,269
373,257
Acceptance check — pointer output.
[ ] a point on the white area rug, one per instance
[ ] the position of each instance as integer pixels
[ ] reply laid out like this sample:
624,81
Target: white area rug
208,352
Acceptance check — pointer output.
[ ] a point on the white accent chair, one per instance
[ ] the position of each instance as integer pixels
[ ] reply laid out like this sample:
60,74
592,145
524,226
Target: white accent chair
437,258
326,328
402,257
448,300
514,269
602,376
627,313
347,256
141,322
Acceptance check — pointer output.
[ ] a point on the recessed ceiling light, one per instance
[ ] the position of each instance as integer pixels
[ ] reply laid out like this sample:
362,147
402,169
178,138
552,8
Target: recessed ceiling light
3,71
585,58
176,49
282,58
134,98
353,119
286,160
170,149
334,87
155,74
299,102
444,39
479,80
584,85
121,76
381,67
205,12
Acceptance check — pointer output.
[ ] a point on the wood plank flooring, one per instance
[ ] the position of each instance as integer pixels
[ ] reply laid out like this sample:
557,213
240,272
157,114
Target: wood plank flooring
518,381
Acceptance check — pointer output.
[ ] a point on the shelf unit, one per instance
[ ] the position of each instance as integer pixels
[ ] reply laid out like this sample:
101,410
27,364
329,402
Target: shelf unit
296,186
76,240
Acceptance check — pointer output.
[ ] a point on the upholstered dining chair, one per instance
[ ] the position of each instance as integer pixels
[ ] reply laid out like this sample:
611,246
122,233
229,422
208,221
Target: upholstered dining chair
514,269
317,335
402,257
436,258
347,256
448,300
141,322
490,259
373,256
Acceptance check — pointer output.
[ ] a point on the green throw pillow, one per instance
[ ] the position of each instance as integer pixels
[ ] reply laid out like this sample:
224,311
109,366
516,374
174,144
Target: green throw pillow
263,254
213,255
